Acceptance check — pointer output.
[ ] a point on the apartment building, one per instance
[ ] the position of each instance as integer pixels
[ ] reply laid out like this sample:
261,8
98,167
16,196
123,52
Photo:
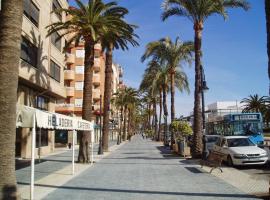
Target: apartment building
41,70
74,81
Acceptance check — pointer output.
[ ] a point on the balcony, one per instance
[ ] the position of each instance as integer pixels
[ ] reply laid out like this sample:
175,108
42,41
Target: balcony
97,47
70,91
64,108
69,75
96,94
96,79
96,107
70,58
97,64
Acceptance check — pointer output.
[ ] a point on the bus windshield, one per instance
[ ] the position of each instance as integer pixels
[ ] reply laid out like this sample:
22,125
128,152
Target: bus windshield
246,128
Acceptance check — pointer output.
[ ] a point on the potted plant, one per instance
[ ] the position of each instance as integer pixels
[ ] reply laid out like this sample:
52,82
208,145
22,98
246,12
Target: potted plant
182,130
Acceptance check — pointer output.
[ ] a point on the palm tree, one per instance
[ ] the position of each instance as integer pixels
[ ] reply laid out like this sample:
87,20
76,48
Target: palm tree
197,11
267,16
88,23
118,101
110,41
10,34
255,103
174,53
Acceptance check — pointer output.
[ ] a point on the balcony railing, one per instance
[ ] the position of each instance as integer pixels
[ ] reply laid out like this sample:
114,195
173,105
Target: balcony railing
96,79
64,107
69,75
70,91
70,58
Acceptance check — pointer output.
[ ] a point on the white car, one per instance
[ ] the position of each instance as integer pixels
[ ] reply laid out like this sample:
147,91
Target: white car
240,150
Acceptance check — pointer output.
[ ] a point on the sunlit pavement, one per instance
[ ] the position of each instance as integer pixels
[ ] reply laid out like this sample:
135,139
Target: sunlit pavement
142,169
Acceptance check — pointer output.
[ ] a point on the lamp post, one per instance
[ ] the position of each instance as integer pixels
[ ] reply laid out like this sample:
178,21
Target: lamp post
100,149
204,88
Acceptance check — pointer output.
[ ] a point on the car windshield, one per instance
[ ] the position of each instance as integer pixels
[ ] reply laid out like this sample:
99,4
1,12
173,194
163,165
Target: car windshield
239,142
212,139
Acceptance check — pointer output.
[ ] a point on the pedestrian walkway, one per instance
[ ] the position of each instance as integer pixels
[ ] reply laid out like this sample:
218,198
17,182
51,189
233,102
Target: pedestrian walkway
140,170
54,168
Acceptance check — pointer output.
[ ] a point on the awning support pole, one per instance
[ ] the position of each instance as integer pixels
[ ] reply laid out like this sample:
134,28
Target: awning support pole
33,158
73,151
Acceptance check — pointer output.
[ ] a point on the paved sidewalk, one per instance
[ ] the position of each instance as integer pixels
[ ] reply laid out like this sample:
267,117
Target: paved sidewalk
55,168
140,170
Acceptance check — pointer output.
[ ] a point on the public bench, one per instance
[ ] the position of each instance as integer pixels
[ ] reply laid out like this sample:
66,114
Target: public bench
213,160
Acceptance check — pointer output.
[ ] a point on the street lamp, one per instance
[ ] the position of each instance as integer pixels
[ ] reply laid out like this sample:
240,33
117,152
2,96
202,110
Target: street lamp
204,88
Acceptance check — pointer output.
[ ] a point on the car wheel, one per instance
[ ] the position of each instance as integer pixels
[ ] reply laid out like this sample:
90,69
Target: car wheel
229,161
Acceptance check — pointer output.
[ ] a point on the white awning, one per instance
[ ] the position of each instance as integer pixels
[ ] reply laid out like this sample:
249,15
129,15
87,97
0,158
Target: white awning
49,120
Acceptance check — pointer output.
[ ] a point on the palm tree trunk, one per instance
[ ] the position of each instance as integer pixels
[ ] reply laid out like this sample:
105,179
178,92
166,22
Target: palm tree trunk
125,124
10,34
129,124
120,125
197,123
172,103
165,114
155,117
107,98
83,156
267,14
160,113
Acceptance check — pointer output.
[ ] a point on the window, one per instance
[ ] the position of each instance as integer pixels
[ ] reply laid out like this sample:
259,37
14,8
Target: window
55,71
31,11
79,85
56,40
80,53
29,52
42,137
55,6
79,69
42,103
78,103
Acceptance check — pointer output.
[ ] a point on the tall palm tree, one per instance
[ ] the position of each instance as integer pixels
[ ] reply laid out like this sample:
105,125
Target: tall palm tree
174,53
267,16
197,11
255,103
110,41
88,23
10,34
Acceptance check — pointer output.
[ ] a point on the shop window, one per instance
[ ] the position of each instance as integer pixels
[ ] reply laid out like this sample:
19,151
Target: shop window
43,139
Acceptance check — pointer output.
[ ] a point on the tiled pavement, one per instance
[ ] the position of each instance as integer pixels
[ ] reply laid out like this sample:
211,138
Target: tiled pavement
140,170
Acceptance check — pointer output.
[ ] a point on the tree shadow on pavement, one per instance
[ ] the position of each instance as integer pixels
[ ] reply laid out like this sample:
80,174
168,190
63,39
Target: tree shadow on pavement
198,194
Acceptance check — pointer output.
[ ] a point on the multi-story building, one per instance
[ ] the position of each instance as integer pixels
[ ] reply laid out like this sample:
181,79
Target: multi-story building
41,70
74,81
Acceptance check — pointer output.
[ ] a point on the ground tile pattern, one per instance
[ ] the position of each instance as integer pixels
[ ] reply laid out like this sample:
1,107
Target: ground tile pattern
143,169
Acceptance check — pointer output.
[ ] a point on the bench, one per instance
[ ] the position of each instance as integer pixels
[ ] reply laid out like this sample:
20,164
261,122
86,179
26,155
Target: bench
214,161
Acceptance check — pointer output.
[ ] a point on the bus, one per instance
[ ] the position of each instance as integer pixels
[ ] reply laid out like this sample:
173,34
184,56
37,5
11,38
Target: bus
238,124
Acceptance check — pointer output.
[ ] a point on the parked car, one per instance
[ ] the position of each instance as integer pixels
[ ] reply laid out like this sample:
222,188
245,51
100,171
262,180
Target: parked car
211,141
240,150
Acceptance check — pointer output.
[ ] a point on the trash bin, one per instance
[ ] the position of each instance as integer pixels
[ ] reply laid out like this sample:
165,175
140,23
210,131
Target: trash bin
181,147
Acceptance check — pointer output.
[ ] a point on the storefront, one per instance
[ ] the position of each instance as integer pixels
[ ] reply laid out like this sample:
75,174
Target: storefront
38,120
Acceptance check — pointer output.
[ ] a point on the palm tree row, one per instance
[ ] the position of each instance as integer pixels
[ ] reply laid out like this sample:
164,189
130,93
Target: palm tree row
126,100
198,11
165,72
94,23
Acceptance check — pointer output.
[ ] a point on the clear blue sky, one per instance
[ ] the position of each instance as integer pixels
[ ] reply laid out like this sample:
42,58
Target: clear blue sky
234,51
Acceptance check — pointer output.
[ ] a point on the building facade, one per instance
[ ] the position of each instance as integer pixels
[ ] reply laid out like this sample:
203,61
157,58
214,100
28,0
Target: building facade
41,69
